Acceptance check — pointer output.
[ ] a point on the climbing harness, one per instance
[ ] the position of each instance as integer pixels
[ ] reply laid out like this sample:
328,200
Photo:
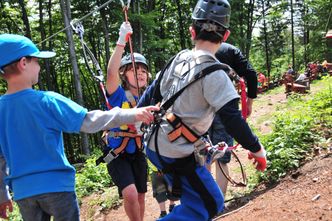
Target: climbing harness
92,64
185,166
208,152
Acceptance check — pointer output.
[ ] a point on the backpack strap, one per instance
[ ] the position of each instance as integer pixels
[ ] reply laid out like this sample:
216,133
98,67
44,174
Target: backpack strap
131,99
166,105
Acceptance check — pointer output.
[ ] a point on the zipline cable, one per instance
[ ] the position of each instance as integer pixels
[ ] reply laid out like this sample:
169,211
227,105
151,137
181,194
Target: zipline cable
78,20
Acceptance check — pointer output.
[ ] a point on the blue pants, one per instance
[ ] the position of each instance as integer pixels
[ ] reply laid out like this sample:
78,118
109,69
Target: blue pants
192,205
62,206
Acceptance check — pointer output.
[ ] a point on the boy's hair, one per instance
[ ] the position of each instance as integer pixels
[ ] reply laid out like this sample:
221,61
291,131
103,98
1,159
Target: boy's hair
208,31
12,67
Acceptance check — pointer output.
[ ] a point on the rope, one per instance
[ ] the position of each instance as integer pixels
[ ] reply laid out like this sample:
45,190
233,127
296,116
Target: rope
125,11
78,20
99,76
231,212
244,111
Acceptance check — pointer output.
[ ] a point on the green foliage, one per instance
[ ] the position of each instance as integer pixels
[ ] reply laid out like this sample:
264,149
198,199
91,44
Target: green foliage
15,215
92,178
297,129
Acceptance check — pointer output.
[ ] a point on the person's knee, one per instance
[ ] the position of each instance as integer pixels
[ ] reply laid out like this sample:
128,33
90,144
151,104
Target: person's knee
141,197
130,194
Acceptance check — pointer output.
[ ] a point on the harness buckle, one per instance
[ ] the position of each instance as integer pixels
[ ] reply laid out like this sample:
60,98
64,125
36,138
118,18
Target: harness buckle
158,115
110,156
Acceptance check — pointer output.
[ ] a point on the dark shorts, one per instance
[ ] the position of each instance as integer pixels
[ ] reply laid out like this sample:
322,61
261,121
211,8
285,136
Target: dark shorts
159,188
129,169
217,133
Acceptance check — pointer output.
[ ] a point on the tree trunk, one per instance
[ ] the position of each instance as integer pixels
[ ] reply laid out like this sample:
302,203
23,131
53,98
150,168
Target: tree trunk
249,26
25,19
266,43
49,84
140,36
65,9
106,34
293,43
50,45
181,28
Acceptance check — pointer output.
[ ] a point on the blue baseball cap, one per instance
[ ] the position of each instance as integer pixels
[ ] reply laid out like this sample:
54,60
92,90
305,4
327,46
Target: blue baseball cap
13,47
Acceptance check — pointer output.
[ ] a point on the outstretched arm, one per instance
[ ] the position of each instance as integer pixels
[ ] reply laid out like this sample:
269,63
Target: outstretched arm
97,120
113,79
238,128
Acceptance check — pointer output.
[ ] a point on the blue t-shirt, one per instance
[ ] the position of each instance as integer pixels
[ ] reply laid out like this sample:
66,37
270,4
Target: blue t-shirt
31,126
119,99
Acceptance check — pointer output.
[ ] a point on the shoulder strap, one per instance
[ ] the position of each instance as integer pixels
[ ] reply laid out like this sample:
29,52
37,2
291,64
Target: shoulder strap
155,96
130,98
198,76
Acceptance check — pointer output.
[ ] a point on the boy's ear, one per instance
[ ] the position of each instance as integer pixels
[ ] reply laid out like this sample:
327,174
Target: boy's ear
192,32
21,64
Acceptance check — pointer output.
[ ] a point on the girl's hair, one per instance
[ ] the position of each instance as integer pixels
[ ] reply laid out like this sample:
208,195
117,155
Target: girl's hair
124,81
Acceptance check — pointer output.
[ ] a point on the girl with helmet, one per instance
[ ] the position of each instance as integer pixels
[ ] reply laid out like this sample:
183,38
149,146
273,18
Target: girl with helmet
128,167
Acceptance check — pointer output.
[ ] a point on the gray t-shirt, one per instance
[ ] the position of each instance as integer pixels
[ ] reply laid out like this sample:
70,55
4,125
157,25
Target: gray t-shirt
198,103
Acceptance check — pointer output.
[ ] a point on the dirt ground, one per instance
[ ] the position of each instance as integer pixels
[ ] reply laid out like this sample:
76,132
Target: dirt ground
305,195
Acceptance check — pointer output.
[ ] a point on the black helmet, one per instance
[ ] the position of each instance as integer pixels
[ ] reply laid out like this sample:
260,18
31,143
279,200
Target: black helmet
140,59
218,11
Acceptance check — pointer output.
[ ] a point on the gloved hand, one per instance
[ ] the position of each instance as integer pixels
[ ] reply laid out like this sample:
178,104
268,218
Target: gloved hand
124,33
259,159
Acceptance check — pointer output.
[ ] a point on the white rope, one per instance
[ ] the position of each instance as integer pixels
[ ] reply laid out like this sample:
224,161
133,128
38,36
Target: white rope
78,20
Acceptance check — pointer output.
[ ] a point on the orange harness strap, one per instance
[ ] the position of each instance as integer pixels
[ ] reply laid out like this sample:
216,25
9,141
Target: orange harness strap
126,136
180,129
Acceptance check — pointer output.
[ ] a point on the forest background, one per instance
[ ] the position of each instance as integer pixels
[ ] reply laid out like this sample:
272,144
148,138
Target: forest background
273,34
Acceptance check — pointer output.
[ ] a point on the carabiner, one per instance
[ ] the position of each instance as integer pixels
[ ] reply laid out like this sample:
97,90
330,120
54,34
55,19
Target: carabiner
77,27
123,4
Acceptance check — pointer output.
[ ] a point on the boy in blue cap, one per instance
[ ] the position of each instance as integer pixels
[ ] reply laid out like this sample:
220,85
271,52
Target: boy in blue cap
32,158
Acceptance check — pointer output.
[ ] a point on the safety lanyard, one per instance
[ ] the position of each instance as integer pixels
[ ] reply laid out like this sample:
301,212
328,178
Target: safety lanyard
98,76
242,86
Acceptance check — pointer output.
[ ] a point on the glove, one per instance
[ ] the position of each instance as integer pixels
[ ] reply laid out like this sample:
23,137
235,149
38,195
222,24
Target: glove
259,159
124,33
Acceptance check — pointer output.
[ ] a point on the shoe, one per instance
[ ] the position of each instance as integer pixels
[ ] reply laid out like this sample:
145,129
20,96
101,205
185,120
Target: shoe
171,207
162,214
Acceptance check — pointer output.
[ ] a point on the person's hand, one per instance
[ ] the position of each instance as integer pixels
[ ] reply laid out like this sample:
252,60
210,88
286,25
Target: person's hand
3,209
259,159
124,33
249,106
145,114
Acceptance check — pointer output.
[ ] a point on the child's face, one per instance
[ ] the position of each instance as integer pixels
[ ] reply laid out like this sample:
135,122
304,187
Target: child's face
142,76
33,68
